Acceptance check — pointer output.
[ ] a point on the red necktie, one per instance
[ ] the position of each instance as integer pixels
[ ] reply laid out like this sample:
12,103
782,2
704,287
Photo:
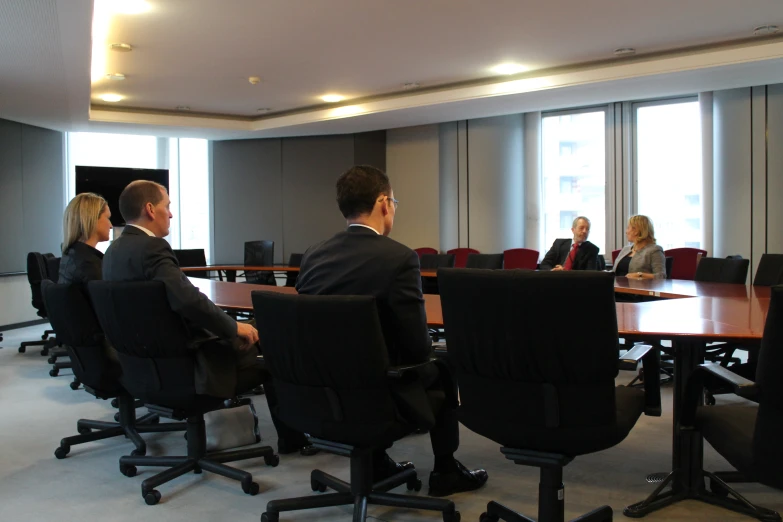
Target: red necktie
571,256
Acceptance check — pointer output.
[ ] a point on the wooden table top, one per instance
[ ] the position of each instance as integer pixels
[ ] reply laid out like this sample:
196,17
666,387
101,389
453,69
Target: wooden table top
718,317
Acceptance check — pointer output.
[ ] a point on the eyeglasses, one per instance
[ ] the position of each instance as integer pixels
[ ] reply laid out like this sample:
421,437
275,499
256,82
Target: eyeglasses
396,202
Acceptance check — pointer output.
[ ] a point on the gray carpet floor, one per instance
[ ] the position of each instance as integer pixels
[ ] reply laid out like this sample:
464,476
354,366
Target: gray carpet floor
38,410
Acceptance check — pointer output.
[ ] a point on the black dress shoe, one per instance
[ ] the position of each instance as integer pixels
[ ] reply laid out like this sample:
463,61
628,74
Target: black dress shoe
463,479
306,449
389,468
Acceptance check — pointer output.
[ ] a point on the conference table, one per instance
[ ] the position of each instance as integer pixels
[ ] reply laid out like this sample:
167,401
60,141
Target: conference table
231,270
689,314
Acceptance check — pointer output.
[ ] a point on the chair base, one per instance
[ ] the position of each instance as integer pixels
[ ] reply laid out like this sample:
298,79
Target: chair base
197,460
45,344
361,491
718,495
551,491
128,425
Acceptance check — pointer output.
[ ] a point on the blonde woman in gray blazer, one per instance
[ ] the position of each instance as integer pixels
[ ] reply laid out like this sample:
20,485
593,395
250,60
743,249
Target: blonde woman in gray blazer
642,259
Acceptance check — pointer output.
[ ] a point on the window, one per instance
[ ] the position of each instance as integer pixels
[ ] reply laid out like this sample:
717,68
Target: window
668,170
574,174
188,176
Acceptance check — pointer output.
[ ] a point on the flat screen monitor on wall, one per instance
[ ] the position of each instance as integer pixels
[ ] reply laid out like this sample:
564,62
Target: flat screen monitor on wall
110,181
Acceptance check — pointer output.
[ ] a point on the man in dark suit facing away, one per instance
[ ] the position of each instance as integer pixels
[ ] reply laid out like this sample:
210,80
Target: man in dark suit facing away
224,368
573,254
362,260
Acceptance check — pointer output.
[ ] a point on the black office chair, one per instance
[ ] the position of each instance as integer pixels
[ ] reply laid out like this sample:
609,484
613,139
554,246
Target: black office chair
429,285
601,262
291,277
747,435
193,257
769,271
486,261
718,270
545,393
37,271
157,356
77,328
669,264
260,253
331,371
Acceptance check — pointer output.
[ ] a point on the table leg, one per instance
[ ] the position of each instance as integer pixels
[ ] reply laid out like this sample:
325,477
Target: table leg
231,276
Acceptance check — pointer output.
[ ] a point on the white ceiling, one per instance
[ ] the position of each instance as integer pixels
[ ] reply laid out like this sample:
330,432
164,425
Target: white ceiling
200,53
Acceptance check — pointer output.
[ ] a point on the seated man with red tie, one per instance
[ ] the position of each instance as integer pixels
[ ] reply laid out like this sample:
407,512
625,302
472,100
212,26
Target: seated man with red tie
573,254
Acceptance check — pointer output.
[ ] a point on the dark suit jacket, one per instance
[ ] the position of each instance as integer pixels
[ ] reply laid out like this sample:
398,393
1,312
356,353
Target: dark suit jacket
360,262
586,255
135,256
80,264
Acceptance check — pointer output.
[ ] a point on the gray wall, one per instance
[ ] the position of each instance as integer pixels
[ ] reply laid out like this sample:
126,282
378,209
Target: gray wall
32,184
283,190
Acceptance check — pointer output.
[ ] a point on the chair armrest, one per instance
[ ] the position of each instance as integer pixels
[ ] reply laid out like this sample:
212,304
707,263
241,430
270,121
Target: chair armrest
630,360
695,388
439,349
403,372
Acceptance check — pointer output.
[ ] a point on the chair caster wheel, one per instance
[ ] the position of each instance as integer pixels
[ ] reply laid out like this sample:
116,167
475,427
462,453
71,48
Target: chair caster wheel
62,452
115,403
74,385
272,460
452,517
138,452
117,417
51,360
270,517
486,517
152,497
414,485
130,471
317,486
22,349
83,431
251,489
259,390
718,490
54,372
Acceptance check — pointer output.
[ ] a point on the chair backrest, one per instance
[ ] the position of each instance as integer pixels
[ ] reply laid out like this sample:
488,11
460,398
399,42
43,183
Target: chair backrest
77,328
425,250
770,270
291,277
615,253
328,359
685,261
193,257
488,261
152,341
435,261
551,370
260,253
461,256
37,271
601,262
53,268
525,258
669,261
769,422
719,270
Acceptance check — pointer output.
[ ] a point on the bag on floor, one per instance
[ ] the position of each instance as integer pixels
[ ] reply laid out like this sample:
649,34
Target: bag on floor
232,427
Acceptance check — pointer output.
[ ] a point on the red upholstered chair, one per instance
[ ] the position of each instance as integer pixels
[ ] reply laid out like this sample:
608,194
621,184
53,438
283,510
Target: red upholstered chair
461,256
520,258
615,253
685,261
425,250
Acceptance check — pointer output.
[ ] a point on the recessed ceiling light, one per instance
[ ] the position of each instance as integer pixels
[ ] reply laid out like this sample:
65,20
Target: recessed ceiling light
624,51
508,68
121,47
410,85
765,29
183,108
111,97
130,6
263,110
254,80
332,98
115,76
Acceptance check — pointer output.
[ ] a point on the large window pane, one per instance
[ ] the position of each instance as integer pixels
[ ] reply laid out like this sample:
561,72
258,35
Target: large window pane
574,174
194,194
668,171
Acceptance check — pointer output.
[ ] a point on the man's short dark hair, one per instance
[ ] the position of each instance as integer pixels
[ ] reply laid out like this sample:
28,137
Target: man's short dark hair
359,188
135,197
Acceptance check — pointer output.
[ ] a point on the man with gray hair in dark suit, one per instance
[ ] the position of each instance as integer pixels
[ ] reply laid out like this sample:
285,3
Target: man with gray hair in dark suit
573,254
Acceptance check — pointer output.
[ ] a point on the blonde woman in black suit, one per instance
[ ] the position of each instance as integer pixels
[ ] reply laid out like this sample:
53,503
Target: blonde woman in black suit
642,259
